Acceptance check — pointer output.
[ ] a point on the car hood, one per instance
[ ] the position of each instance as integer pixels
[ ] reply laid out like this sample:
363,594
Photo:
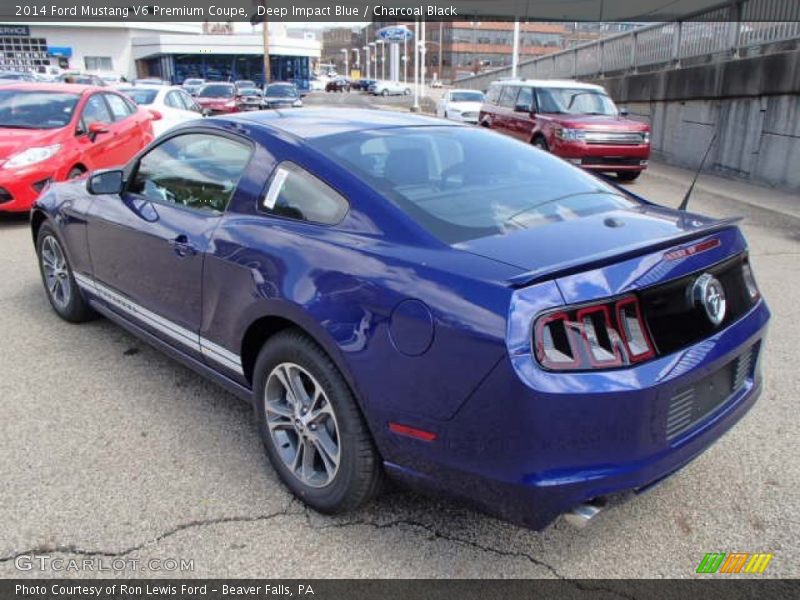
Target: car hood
583,240
13,141
276,99
598,122
466,106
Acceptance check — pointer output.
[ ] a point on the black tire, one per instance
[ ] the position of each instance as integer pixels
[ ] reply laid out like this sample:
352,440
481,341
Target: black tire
385,93
76,172
628,176
406,92
74,309
541,143
359,476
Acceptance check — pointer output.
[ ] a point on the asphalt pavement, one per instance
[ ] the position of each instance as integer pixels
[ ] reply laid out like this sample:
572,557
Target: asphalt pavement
114,454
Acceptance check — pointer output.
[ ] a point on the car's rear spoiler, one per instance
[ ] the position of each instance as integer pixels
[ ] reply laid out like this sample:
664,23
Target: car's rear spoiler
600,259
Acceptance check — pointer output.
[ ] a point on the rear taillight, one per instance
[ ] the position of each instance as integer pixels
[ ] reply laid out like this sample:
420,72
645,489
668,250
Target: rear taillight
750,281
590,337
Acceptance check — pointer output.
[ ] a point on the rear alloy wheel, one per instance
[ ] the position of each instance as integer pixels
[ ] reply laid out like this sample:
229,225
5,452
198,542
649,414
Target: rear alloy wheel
541,143
385,93
406,91
628,175
311,426
62,291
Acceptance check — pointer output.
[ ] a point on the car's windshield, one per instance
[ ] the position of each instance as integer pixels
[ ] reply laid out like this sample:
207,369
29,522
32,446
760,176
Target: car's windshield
284,91
216,91
139,95
35,110
463,183
466,97
246,83
193,82
249,92
575,101
14,76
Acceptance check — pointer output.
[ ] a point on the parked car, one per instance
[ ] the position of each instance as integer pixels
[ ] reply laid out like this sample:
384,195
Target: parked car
401,294
245,84
150,81
460,105
363,84
53,132
217,98
338,84
316,84
81,79
192,85
576,121
281,95
16,76
389,88
249,99
170,105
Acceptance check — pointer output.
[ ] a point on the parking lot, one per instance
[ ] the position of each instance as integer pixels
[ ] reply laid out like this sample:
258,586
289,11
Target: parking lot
111,450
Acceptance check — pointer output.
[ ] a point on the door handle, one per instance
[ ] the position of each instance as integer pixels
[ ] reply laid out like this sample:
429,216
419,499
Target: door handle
182,246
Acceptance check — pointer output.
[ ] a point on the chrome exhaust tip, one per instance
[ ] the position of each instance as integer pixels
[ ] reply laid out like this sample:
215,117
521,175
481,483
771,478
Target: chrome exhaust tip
581,515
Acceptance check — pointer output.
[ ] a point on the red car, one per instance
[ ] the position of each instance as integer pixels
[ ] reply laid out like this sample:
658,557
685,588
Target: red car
53,132
217,98
573,120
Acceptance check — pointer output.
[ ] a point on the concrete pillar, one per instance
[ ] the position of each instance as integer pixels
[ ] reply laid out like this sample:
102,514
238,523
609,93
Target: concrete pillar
394,62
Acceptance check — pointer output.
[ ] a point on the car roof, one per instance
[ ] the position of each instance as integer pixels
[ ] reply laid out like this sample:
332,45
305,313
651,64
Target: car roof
73,88
320,122
465,90
146,86
552,83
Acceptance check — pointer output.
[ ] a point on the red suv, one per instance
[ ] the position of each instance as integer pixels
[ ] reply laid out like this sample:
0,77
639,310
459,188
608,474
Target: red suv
52,132
573,120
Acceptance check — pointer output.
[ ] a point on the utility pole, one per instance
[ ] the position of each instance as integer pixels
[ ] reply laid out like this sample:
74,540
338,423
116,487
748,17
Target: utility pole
515,50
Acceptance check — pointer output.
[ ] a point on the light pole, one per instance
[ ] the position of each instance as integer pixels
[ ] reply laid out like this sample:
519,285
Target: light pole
366,58
423,51
415,108
374,60
358,58
346,54
383,58
515,51
405,60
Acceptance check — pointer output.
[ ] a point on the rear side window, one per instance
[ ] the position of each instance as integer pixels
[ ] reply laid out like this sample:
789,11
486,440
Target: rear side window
525,98
509,96
295,193
493,94
174,100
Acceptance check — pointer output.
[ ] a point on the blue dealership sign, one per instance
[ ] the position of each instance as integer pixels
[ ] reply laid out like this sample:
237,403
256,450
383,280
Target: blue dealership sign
63,51
394,33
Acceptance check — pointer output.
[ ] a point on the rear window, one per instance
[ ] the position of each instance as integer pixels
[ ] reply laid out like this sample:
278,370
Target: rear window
464,183
466,97
216,91
140,96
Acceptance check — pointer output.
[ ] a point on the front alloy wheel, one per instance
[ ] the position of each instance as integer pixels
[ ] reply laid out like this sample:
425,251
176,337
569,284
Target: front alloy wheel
302,423
59,283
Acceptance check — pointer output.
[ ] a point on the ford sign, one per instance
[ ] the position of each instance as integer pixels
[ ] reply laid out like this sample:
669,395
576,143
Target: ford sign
394,34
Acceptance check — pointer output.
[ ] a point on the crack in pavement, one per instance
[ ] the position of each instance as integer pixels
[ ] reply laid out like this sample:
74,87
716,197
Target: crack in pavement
437,534
47,549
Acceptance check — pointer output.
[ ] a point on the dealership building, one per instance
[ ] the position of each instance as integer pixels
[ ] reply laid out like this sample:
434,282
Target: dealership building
170,51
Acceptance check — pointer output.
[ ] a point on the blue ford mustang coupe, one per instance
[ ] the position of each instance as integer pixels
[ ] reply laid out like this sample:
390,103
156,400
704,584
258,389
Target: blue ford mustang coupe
403,296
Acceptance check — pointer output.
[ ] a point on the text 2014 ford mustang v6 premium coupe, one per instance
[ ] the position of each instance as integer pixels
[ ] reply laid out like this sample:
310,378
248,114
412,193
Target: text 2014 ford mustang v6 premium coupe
400,295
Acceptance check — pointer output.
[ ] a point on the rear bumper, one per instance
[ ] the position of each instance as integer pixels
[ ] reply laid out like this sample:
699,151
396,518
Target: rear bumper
601,157
530,455
19,188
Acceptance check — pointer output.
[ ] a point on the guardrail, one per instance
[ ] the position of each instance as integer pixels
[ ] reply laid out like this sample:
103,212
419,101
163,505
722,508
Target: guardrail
723,33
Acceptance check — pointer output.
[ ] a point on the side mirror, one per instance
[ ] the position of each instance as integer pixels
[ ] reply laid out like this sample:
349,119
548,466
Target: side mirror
155,115
523,108
206,112
105,182
623,111
96,129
